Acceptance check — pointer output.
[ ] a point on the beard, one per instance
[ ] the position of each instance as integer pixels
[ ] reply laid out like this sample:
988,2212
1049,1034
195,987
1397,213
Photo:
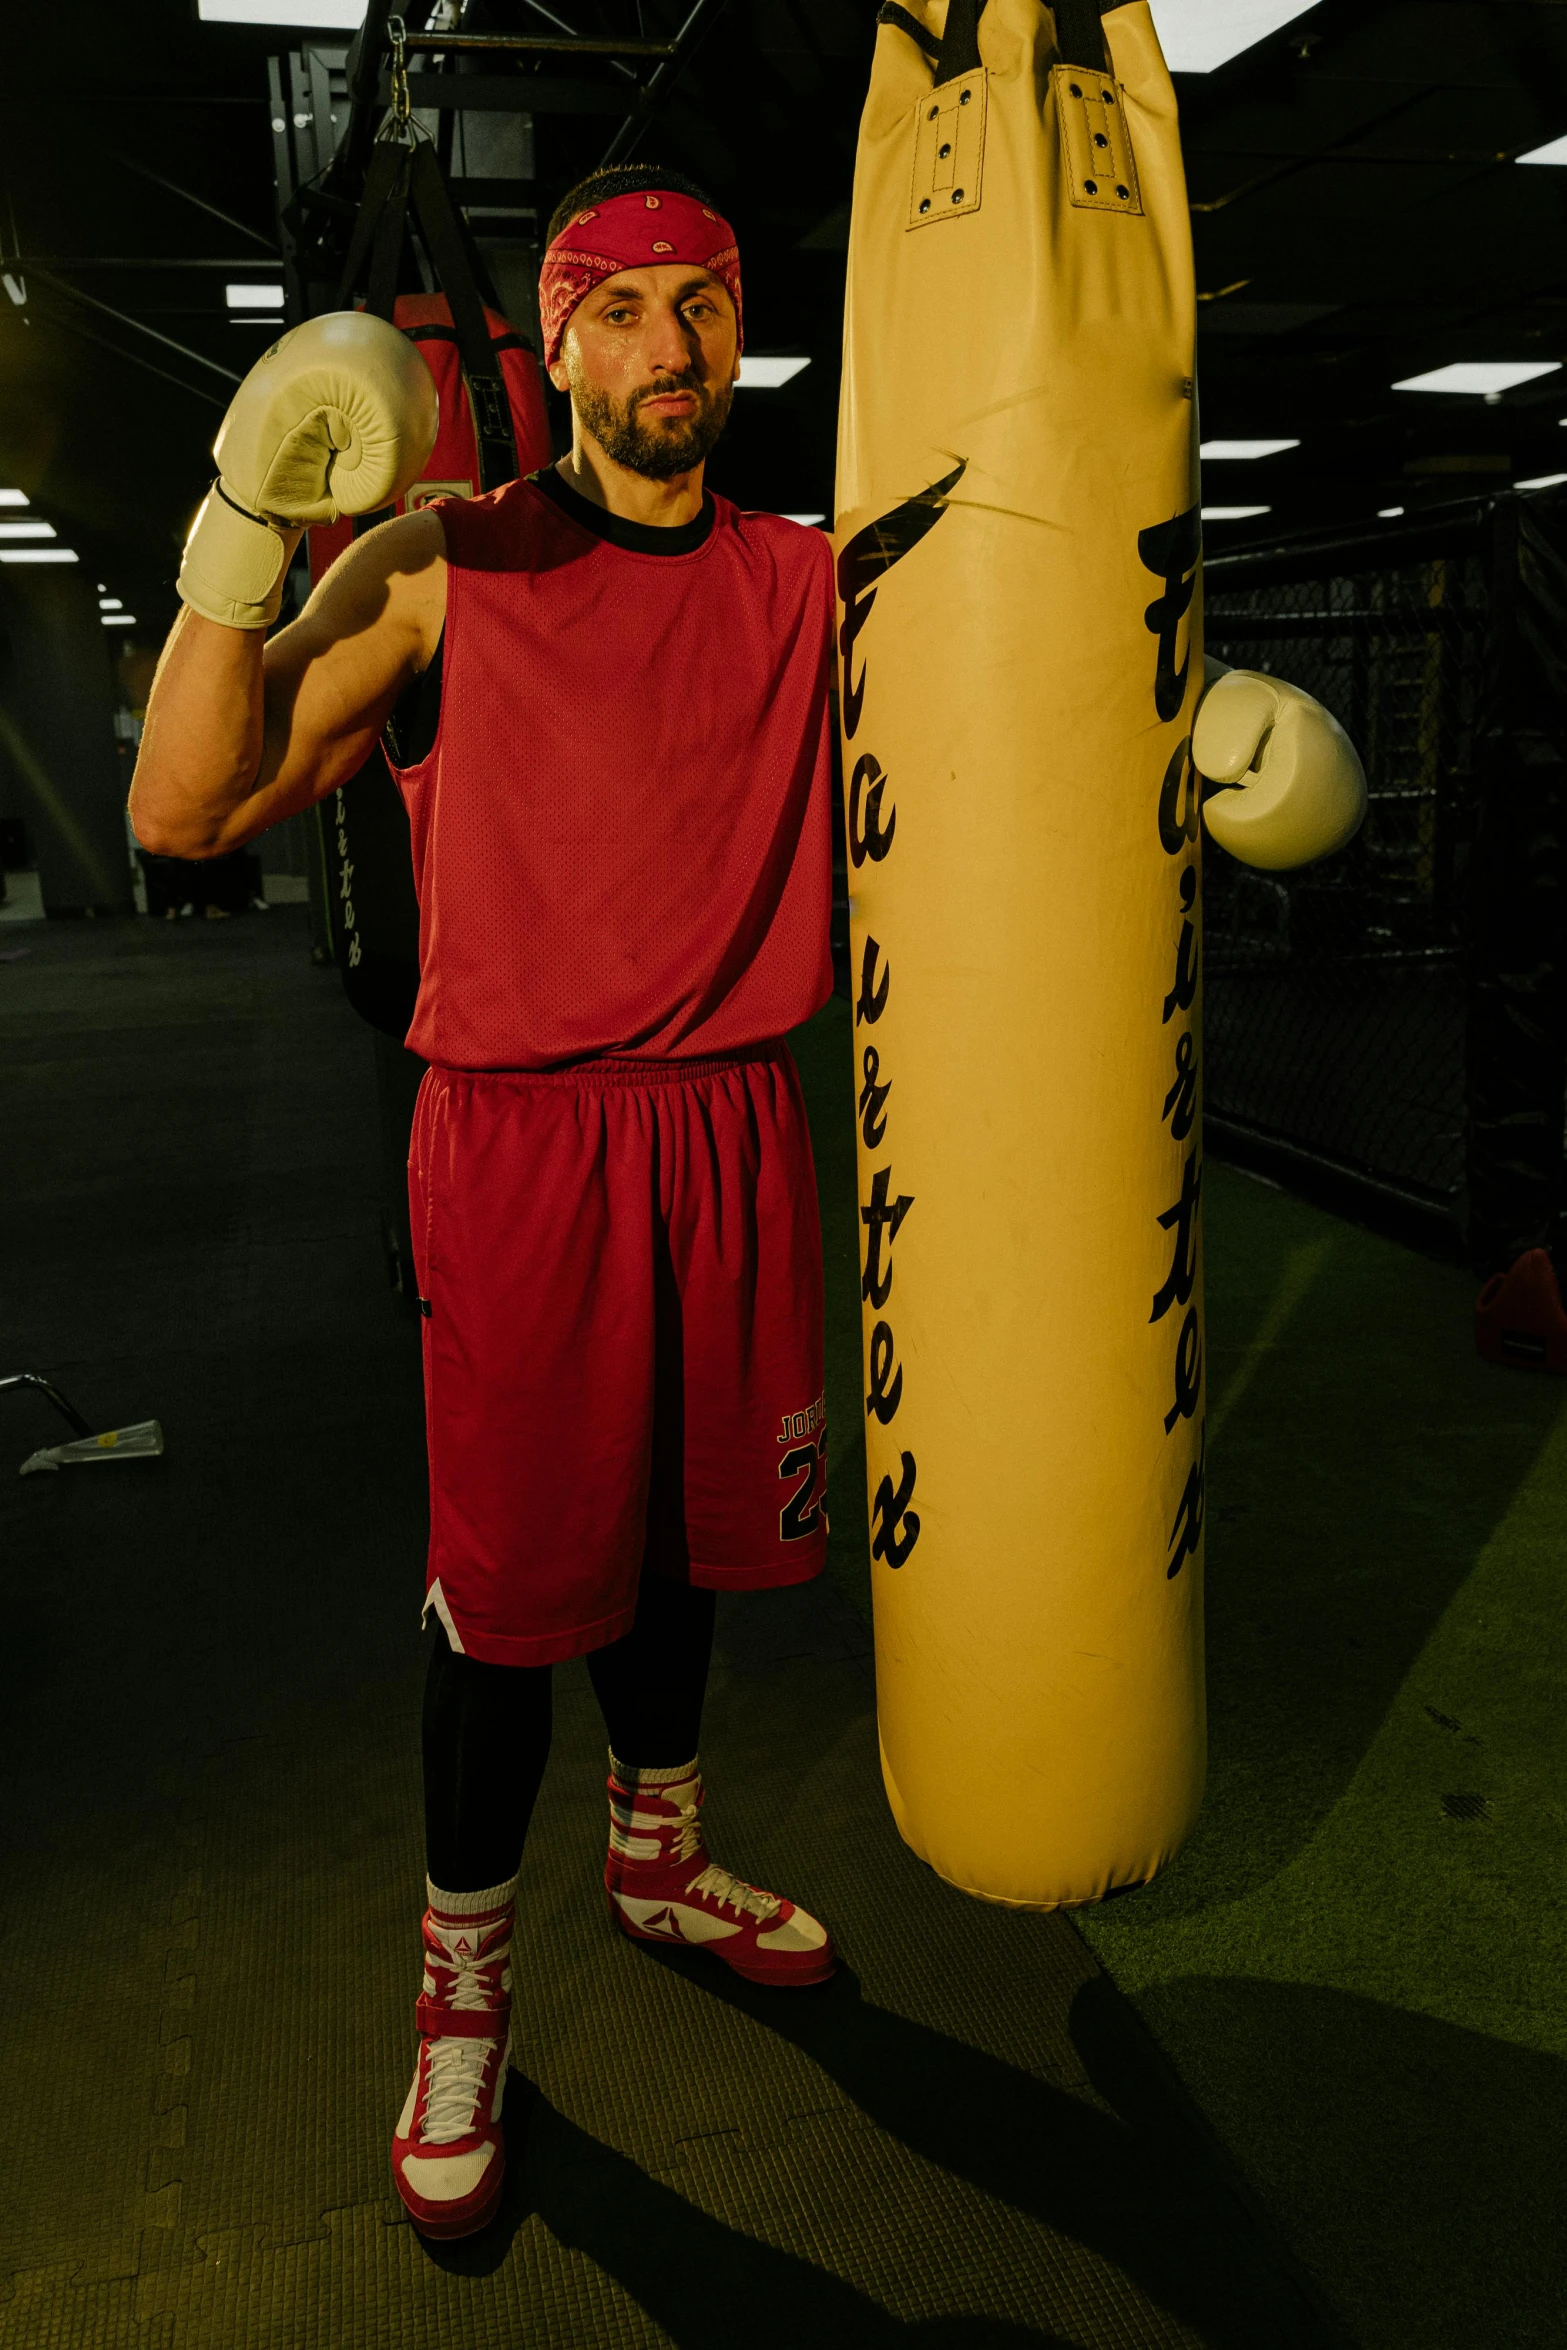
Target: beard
657,447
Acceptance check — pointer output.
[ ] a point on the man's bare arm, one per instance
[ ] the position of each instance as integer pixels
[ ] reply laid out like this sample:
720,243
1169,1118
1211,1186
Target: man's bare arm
243,731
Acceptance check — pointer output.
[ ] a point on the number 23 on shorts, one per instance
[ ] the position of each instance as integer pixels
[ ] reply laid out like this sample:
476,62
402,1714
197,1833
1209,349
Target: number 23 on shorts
807,1464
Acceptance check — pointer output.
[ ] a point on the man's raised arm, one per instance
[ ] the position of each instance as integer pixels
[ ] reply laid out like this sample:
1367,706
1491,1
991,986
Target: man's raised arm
337,418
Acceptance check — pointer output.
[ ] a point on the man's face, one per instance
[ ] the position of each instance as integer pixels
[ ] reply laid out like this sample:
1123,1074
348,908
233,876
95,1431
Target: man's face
649,359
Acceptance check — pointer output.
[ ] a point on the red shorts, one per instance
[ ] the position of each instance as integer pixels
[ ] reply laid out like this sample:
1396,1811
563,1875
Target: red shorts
621,1270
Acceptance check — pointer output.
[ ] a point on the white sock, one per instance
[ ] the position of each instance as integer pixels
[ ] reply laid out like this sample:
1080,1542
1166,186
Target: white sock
630,1776
471,1905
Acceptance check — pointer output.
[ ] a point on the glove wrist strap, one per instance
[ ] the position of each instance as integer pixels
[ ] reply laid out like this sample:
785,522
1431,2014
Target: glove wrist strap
235,563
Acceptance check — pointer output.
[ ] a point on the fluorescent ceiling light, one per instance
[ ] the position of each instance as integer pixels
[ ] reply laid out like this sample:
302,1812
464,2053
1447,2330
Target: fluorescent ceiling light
1389,513
26,530
1223,450
253,297
1541,481
767,375
1479,375
1233,513
118,619
39,555
110,604
1554,151
1199,35
808,519
19,497
324,16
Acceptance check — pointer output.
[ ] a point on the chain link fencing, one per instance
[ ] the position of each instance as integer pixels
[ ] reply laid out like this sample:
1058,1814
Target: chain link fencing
1352,1015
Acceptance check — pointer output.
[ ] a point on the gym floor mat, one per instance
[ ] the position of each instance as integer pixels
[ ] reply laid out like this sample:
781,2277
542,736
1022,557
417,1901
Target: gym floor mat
213,1869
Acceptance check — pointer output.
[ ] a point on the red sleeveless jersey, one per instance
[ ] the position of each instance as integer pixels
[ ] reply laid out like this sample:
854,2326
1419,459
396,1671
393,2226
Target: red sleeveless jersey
621,834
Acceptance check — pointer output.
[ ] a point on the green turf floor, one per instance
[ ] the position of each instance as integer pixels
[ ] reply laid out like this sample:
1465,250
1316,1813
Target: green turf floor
1359,1966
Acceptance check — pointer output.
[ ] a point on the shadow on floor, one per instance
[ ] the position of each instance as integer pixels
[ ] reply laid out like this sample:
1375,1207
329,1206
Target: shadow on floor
1367,1462
1427,2160
707,2285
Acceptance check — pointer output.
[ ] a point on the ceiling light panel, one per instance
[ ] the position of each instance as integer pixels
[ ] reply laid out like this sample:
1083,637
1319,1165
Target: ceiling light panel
118,619
1197,36
322,16
1479,375
26,530
1223,451
1554,151
1233,513
1541,481
39,555
767,374
253,297
13,497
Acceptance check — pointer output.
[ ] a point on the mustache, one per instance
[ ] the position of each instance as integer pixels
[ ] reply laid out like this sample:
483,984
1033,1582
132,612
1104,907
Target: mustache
688,382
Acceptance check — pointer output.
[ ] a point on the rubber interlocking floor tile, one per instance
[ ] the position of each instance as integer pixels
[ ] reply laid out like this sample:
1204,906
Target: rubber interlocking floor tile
213,1865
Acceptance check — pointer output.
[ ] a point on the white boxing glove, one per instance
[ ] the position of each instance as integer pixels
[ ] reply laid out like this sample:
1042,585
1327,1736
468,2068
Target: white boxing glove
1301,790
338,417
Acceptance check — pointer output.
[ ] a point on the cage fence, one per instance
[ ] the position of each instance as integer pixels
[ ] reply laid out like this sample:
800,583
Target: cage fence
1393,1015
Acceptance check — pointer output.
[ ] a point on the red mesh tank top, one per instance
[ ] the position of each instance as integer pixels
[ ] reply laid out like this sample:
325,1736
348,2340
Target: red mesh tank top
621,834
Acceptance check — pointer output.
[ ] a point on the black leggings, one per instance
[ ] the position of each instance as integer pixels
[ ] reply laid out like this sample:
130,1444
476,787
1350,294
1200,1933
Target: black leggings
487,1729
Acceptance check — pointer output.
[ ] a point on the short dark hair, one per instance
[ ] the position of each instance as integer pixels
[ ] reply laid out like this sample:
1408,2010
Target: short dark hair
622,179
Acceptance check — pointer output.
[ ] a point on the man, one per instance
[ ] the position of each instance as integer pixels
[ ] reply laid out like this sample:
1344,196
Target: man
604,692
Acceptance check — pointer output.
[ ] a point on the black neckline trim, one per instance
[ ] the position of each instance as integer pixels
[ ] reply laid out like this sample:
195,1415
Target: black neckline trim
637,538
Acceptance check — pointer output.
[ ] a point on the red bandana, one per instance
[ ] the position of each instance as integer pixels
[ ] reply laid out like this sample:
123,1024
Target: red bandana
632,232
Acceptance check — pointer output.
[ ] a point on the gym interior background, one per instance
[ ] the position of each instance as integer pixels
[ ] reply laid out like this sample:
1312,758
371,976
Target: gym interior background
1309,2087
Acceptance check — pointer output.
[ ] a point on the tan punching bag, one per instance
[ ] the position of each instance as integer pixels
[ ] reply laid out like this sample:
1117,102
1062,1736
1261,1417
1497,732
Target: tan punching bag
1021,656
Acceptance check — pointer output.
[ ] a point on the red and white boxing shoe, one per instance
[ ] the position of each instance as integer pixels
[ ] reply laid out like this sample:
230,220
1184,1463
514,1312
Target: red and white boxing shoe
448,2156
663,1887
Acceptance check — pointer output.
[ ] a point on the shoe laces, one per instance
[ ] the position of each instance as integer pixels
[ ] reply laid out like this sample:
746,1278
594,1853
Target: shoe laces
475,1979
687,1832
730,1891
454,2078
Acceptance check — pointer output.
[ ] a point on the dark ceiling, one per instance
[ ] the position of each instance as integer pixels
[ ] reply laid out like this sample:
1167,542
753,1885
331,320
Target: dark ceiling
1356,212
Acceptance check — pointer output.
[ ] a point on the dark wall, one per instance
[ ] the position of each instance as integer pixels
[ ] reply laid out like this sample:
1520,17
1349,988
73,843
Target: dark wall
59,767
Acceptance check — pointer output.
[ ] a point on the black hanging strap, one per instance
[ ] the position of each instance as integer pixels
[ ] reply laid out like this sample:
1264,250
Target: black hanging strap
959,40
398,176
1080,35
890,13
458,271
386,254
387,162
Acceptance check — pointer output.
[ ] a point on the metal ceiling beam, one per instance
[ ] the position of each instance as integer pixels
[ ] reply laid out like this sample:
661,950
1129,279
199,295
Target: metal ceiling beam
187,196
657,92
123,318
506,94
138,261
538,45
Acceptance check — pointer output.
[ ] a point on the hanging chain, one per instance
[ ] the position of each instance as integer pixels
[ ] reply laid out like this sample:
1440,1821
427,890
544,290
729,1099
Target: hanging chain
397,32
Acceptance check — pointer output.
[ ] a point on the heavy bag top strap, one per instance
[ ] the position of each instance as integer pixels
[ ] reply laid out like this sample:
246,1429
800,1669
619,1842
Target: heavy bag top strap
388,164
458,268
1079,34
386,254
959,40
